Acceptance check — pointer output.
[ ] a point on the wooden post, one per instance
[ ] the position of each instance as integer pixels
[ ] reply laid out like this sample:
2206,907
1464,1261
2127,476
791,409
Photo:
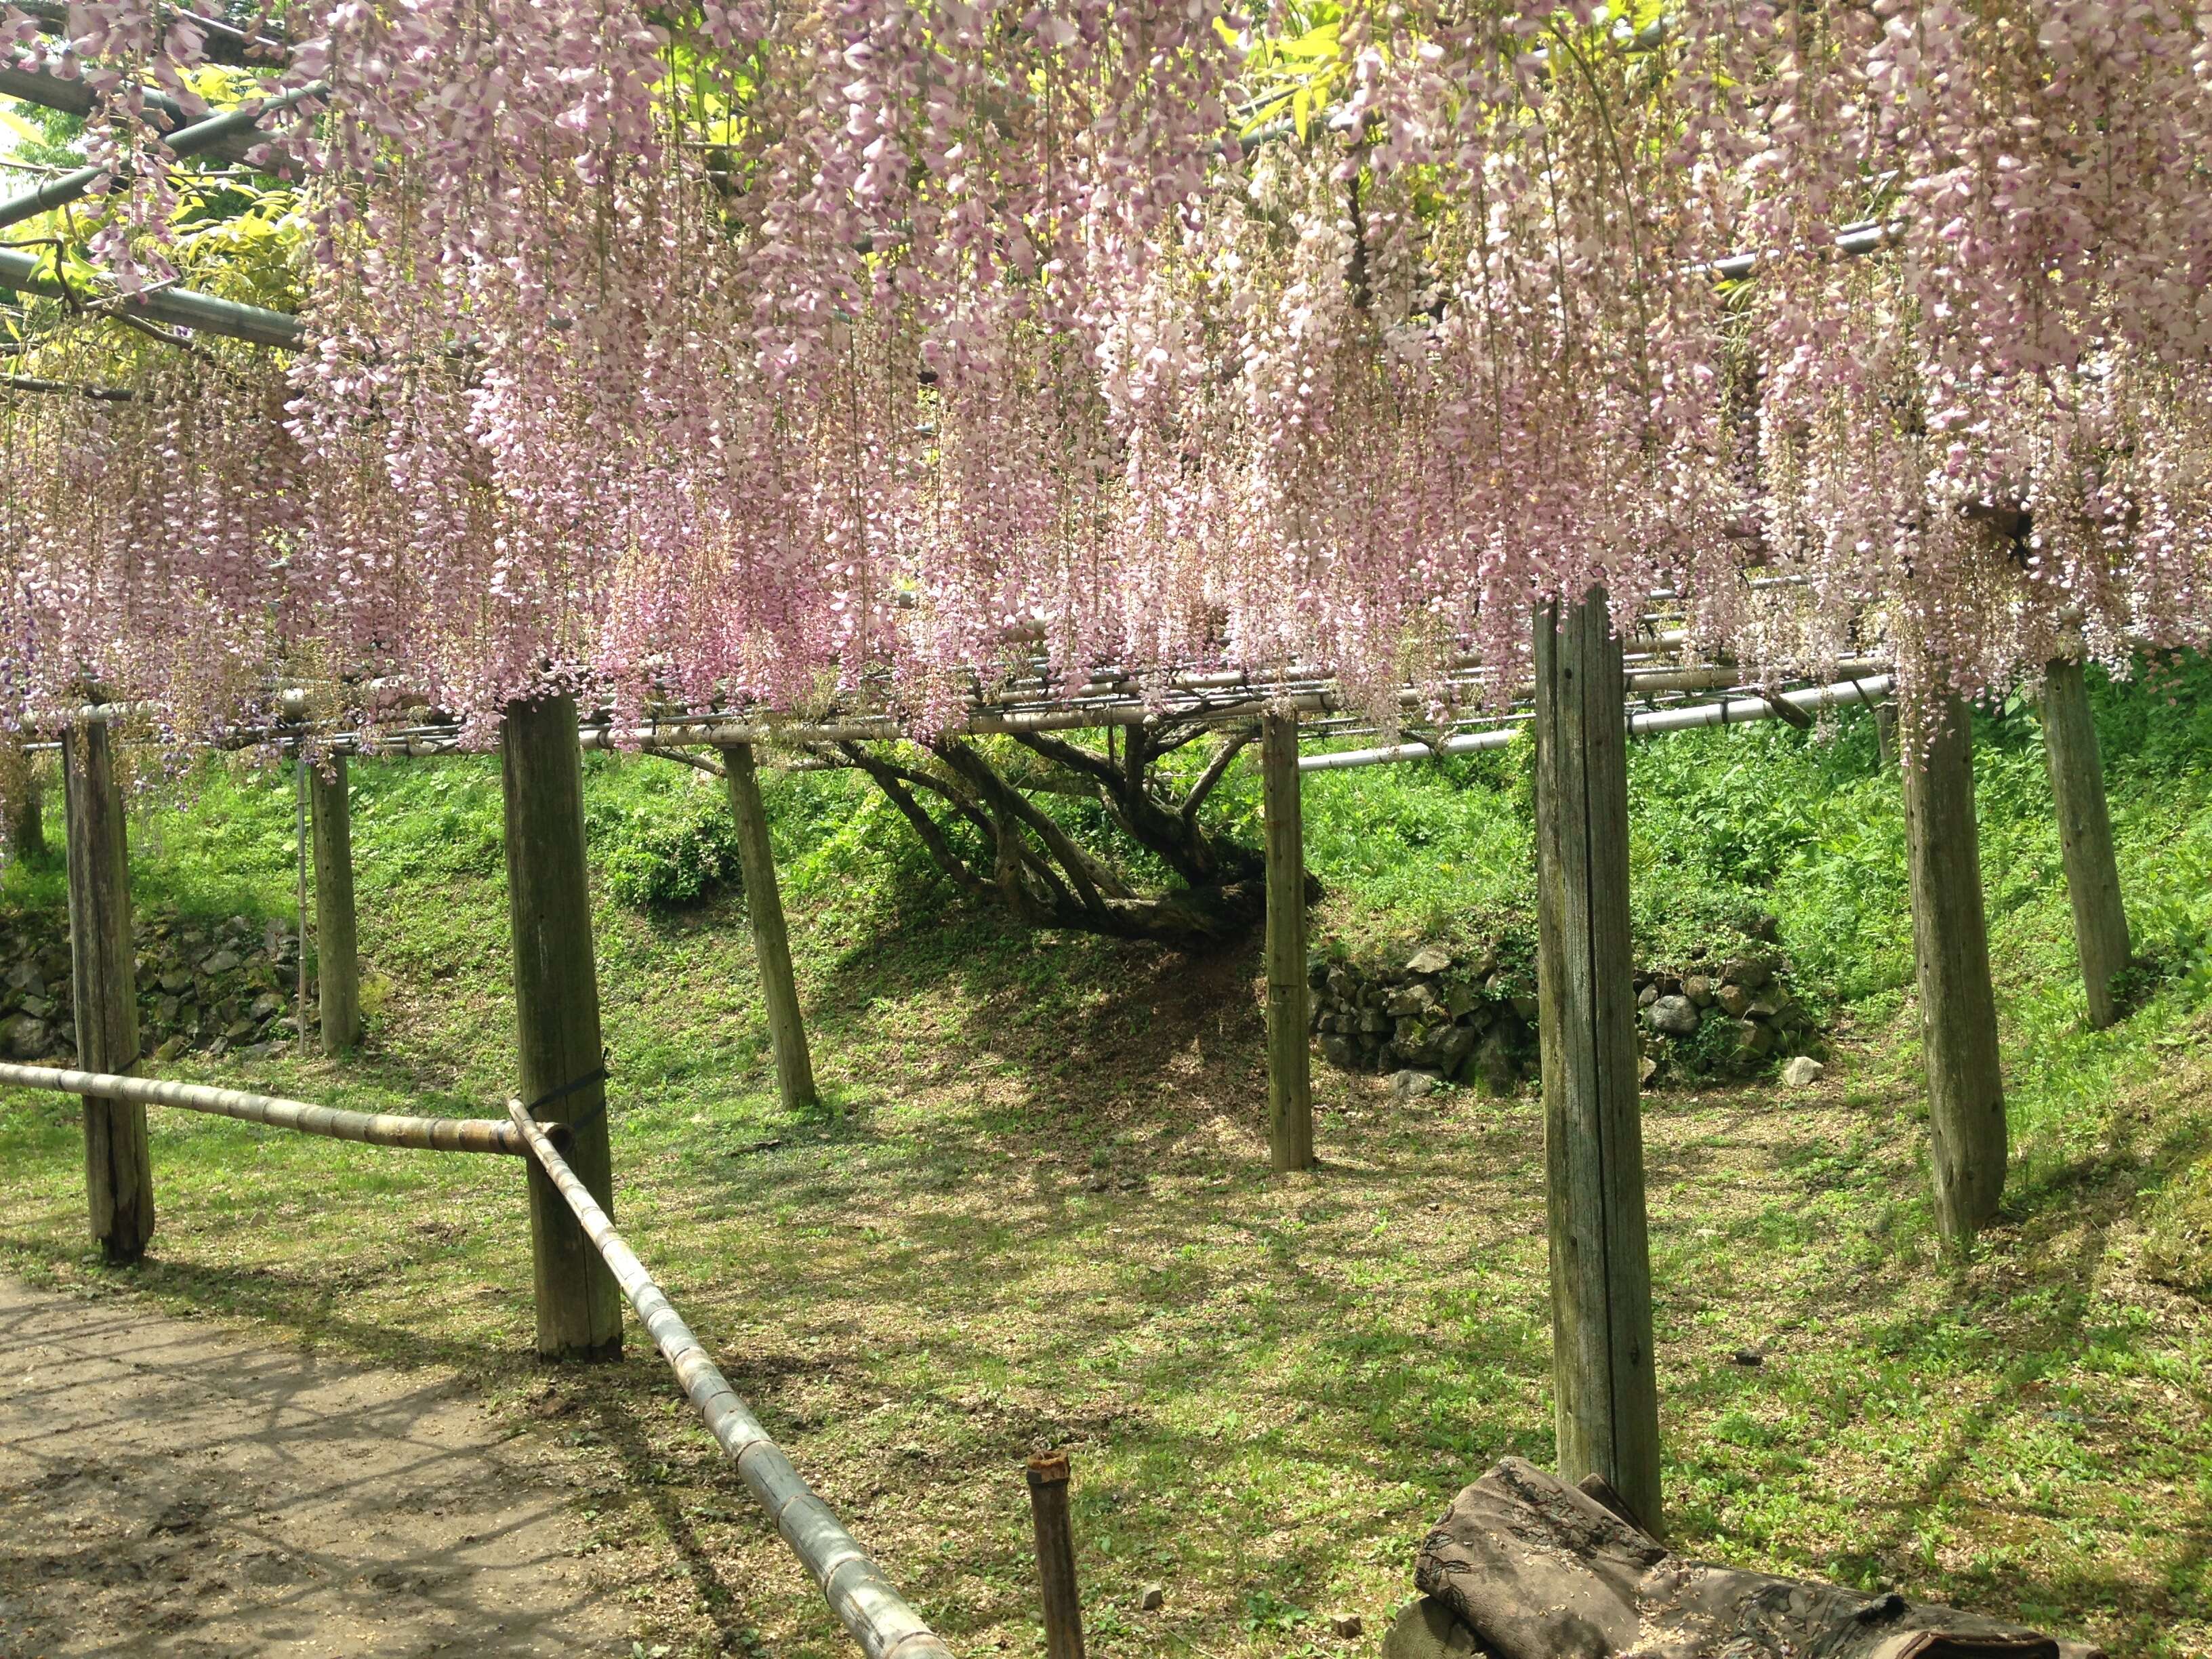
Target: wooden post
119,1172
22,809
1605,1394
2084,835
338,946
787,1031
1885,736
1951,952
556,1001
1289,1083
1055,1548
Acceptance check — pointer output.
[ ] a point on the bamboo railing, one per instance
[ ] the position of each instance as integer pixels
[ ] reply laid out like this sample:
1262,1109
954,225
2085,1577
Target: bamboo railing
865,1602
427,1134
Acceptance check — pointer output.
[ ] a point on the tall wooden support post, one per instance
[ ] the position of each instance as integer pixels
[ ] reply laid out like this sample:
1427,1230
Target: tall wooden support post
119,1172
2084,835
1290,1082
22,808
557,1000
1951,952
1606,1396
1055,1547
337,946
787,1031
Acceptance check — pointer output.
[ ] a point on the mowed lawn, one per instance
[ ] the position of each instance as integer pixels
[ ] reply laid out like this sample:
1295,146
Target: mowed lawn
1036,1211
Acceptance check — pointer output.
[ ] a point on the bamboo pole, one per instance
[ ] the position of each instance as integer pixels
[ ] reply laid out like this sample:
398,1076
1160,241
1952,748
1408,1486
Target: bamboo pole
1055,1548
337,946
1605,1394
556,1000
2084,835
1951,955
427,1134
1290,1084
787,1029
119,1168
864,1601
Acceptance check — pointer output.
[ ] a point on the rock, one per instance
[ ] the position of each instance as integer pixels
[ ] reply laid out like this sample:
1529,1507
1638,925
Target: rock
1347,1625
1413,1001
1747,970
1426,1629
24,977
1453,1043
170,1048
267,1005
1748,1356
1429,959
1153,1598
218,1048
1734,999
38,1007
1495,1063
1372,1022
1700,989
1317,972
1802,1071
24,1038
1752,1037
1646,1069
220,962
1672,1017
1412,1084
176,983
1337,1051
1459,1000
239,1029
1648,996
1525,1007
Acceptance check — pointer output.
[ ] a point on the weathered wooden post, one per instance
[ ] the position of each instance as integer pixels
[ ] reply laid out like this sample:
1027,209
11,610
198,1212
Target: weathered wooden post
1605,1392
338,946
1951,953
22,808
1290,1082
556,1001
2084,835
118,1172
1055,1548
786,1030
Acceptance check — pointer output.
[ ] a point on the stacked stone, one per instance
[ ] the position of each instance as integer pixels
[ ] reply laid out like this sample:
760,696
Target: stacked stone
1454,1014
210,989
1749,992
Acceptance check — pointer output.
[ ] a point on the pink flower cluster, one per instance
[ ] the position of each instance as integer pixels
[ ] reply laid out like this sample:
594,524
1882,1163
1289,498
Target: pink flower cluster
781,352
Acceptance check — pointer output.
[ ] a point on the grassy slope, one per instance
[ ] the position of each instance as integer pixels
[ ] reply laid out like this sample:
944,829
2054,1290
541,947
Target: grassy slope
1038,1212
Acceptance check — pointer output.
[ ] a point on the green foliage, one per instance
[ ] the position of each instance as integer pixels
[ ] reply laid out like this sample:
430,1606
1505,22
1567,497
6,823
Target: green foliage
660,841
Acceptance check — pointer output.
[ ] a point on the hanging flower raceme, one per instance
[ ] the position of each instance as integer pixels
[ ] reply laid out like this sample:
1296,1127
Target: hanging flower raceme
767,353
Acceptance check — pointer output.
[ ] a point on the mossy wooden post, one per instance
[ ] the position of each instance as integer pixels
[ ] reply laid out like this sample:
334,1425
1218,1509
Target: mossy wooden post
118,1173
556,1000
1605,1397
1951,953
22,809
787,1031
2084,835
1289,1083
338,952
1055,1547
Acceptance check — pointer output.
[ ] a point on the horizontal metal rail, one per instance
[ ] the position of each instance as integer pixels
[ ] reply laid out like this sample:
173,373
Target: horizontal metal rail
864,1601
1730,711
427,1134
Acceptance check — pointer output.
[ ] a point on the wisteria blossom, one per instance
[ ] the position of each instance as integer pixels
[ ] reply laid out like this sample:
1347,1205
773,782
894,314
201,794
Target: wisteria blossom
780,354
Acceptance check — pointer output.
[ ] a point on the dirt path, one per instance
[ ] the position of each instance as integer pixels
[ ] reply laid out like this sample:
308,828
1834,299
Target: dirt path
170,1490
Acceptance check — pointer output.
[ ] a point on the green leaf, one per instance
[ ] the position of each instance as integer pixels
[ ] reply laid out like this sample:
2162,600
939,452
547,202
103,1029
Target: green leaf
1302,110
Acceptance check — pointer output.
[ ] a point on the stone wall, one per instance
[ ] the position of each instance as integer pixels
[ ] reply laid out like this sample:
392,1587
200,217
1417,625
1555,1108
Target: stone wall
212,987
1460,1013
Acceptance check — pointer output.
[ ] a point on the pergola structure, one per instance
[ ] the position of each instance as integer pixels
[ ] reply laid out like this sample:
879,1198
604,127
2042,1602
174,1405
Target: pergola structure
1592,689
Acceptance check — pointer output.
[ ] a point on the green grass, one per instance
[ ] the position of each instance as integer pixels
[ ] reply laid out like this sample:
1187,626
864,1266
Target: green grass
1035,1210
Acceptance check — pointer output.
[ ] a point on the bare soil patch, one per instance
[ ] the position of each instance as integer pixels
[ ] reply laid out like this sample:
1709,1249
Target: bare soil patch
168,1489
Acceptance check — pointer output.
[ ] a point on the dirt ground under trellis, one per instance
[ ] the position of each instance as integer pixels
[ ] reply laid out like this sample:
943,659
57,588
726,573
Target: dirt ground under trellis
168,1489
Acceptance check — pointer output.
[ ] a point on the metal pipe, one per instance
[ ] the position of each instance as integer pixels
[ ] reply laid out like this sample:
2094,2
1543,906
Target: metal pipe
1730,712
865,1602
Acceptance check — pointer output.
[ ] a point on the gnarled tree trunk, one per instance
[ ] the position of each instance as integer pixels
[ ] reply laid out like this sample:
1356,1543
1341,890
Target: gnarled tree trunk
975,816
